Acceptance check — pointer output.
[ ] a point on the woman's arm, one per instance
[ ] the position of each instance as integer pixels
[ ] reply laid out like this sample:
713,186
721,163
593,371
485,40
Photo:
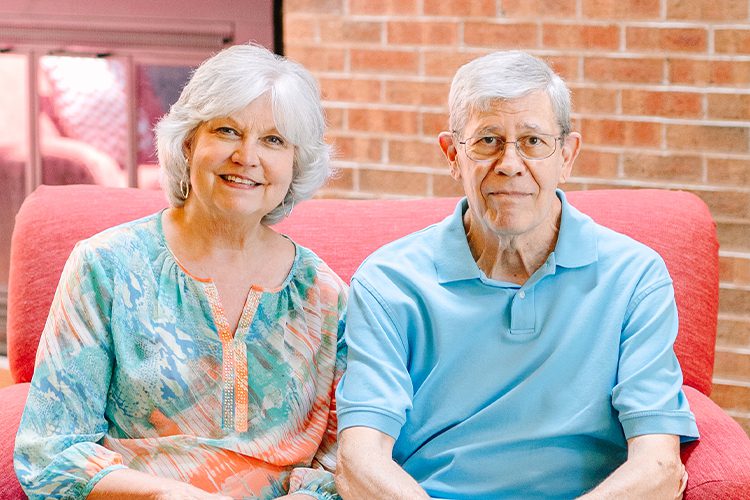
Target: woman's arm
129,484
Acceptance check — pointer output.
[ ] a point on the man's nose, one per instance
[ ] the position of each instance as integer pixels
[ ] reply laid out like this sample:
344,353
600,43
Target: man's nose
510,163
247,153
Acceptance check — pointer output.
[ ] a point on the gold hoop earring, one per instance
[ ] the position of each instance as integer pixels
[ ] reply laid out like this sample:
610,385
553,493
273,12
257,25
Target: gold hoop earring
291,207
184,188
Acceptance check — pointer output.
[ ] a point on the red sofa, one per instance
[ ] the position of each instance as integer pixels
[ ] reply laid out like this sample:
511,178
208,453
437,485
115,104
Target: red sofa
676,224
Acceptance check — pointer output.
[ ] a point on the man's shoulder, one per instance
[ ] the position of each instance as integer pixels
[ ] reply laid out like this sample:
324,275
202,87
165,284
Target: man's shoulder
407,257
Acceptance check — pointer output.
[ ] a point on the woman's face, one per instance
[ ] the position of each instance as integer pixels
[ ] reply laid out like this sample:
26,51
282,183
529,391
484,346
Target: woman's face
240,165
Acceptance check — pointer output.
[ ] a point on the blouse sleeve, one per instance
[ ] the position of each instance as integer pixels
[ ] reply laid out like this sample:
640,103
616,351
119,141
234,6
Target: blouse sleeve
317,480
56,451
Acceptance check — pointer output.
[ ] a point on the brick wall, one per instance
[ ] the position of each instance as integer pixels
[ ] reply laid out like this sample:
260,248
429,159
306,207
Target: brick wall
661,94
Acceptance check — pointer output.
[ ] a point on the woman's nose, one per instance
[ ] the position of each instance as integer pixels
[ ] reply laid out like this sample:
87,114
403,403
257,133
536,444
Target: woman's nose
246,154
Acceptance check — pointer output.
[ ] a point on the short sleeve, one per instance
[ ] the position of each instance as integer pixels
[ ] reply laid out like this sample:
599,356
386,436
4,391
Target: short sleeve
648,395
376,389
56,454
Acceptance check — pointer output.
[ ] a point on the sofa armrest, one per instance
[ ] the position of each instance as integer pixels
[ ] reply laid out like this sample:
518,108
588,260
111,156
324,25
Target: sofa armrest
12,401
718,465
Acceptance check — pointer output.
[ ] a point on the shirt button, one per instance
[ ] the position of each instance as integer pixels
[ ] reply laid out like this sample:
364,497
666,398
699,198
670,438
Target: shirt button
522,294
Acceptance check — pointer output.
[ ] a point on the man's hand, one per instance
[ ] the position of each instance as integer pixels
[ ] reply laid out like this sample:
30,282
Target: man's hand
653,470
366,468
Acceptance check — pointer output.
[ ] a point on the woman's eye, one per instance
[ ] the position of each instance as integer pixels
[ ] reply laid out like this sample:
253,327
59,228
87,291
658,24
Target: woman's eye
275,140
227,131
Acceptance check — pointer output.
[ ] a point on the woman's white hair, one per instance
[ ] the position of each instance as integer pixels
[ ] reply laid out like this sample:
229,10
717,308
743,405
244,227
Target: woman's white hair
501,76
227,83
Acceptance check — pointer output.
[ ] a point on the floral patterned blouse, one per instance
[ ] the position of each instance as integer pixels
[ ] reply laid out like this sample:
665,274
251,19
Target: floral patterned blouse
137,367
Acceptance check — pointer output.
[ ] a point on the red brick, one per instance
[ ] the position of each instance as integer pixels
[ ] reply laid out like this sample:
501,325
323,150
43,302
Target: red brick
467,8
733,204
735,270
621,9
707,10
592,163
707,138
557,9
335,117
707,72
733,235
417,93
350,90
501,36
313,6
300,28
445,63
317,58
667,167
565,66
732,41
434,123
343,30
426,154
358,149
383,7
733,332
620,133
342,180
666,39
580,36
385,61
446,186
729,171
631,70
393,182
381,120
735,301
735,397
669,104
422,33
594,100
729,106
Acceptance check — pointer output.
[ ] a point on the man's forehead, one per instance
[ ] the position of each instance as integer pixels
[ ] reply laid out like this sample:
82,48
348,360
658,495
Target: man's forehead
533,109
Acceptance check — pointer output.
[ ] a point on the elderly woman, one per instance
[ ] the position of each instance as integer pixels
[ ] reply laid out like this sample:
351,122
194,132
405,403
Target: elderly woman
194,353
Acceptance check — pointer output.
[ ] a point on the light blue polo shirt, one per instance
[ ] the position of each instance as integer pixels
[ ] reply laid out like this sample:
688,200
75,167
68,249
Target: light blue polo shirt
494,390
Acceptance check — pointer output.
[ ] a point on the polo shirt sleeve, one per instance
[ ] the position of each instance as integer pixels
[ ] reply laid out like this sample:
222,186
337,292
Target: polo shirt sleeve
376,390
648,395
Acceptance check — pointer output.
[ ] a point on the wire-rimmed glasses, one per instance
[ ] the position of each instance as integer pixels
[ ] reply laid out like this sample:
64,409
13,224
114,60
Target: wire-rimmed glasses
532,147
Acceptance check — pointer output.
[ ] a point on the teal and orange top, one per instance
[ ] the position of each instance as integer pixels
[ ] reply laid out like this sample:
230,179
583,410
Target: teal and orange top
137,367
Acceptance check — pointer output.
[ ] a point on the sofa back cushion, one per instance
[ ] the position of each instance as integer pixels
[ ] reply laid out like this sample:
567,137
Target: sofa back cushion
344,232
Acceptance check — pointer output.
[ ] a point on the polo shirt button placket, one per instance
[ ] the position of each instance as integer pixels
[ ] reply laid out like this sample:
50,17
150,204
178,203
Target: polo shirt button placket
521,295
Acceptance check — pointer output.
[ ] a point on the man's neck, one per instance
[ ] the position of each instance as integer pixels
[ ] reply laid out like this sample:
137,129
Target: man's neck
511,257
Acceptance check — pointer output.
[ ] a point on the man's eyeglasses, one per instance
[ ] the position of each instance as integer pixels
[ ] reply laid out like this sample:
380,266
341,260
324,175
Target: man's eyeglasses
490,147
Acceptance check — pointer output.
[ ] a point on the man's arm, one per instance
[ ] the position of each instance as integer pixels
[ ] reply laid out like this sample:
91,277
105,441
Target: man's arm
366,468
653,470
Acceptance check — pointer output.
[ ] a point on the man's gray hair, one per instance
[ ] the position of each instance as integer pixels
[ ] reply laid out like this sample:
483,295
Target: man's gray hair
227,83
501,76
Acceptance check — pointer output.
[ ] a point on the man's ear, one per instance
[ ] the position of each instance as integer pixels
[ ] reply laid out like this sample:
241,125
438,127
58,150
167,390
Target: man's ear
571,146
448,146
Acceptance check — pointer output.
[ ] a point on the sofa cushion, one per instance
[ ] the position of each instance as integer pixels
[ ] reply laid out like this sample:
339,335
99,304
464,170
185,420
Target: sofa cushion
343,232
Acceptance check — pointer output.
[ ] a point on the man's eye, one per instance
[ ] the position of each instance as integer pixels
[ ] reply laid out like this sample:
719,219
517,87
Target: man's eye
489,140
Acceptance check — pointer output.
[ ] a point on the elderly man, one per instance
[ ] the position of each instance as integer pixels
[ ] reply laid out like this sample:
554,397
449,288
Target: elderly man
516,349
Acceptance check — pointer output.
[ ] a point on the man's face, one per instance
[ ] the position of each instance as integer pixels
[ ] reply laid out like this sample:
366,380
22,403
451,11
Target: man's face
508,194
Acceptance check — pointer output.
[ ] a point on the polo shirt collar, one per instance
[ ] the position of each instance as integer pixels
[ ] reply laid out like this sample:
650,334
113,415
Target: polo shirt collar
576,243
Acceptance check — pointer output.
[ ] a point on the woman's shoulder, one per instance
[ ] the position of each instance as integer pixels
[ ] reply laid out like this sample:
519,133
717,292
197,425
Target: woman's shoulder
309,266
127,239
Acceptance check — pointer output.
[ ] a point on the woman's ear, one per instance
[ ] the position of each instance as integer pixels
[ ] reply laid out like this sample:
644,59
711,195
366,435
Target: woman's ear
448,146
